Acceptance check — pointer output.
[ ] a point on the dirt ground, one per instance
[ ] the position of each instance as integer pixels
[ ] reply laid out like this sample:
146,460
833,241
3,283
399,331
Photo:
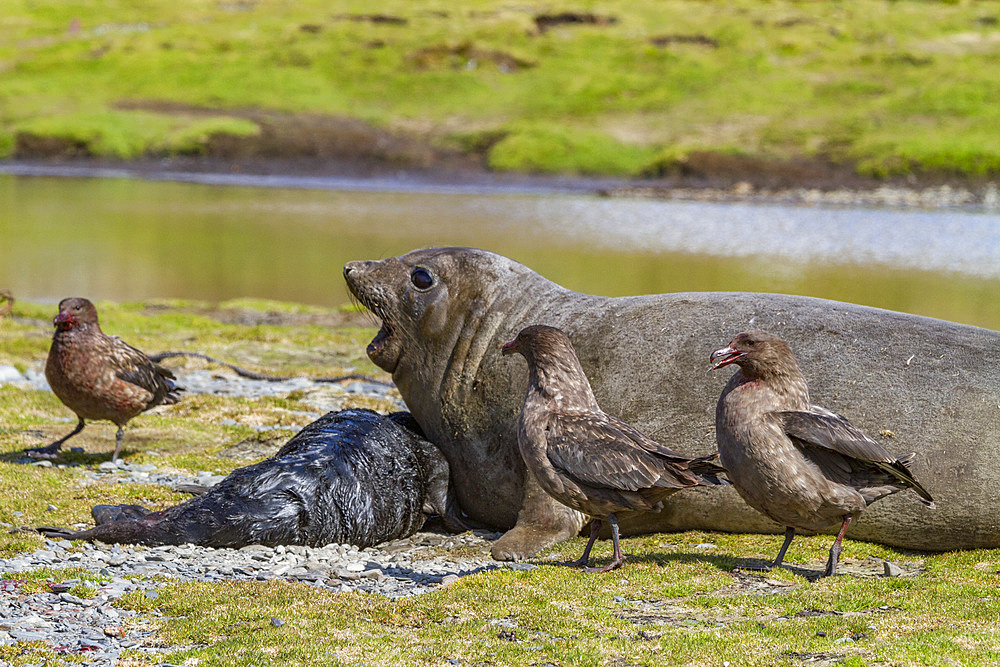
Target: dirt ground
321,145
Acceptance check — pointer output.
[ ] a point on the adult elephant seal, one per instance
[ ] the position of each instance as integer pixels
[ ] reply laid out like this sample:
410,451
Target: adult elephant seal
923,384
351,477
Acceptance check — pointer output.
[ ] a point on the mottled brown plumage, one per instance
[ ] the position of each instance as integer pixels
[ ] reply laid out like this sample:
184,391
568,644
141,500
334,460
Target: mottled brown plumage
99,376
800,464
584,458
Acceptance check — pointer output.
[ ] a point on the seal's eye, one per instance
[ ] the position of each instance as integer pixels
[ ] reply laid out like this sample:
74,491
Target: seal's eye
421,278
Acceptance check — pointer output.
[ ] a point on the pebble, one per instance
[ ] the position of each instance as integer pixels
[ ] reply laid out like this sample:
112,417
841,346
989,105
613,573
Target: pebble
329,395
60,619
890,569
889,196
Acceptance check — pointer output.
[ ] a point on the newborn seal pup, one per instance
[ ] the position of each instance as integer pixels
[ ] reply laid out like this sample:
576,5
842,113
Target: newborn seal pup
99,376
351,477
798,463
446,311
584,458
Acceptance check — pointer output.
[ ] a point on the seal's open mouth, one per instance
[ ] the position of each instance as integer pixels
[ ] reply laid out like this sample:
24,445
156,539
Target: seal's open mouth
725,356
380,341
385,348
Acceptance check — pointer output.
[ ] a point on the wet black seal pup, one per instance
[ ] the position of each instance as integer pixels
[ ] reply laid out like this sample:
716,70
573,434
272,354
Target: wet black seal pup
98,376
800,464
351,477
584,458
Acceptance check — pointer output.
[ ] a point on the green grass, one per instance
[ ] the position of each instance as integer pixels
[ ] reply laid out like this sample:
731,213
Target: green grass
666,606
672,602
133,134
886,87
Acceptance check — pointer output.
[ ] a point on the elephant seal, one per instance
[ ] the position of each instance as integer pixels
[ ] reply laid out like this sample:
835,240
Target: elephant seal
932,385
351,477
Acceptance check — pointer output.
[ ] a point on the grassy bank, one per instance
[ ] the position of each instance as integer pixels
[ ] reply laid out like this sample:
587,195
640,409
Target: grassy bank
677,600
648,87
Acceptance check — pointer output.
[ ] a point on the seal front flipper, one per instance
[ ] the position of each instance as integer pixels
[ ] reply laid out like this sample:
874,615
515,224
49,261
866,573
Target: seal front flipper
541,522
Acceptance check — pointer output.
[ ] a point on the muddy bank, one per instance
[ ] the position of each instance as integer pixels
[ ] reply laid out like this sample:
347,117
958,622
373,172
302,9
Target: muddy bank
315,146
350,176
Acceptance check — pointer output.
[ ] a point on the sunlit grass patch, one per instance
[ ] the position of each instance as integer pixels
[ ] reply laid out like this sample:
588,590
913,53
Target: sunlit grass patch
644,613
33,653
129,134
912,80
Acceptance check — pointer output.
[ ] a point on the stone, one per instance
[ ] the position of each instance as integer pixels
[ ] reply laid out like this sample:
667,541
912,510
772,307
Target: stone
72,599
523,567
890,569
10,374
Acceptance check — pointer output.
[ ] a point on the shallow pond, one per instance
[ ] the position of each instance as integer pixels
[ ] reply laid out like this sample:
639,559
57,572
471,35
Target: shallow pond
128,239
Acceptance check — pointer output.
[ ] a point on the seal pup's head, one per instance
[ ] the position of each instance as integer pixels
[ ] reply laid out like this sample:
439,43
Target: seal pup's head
425,297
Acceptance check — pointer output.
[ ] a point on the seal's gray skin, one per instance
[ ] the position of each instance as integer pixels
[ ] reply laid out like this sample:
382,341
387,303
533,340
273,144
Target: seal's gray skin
350,477
933,386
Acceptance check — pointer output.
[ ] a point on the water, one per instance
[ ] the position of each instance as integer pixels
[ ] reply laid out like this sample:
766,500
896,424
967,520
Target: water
125,239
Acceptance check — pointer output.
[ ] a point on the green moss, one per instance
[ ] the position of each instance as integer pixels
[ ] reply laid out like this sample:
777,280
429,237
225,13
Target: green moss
779,79
566,150
7,144
195,137
130,134
83,591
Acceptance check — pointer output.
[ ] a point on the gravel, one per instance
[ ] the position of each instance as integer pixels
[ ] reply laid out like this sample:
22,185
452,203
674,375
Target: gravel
986,198
325,395
92,629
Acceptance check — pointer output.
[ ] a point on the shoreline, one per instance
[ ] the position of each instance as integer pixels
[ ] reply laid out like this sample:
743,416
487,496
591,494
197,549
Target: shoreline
840,191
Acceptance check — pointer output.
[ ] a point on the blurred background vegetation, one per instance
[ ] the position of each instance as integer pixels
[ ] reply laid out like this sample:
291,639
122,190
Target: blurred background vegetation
625,88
